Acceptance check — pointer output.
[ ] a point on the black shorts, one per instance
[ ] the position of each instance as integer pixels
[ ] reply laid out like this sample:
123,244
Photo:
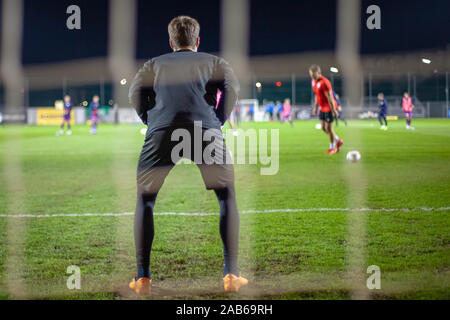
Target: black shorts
326,116
160,154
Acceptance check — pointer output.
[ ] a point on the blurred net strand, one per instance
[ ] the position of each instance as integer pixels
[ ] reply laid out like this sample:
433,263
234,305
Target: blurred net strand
348,45
122,46
11,57
11,71
121,62
235,22
235,38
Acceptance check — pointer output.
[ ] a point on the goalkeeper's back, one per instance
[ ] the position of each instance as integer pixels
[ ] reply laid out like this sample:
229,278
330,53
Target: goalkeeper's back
178,88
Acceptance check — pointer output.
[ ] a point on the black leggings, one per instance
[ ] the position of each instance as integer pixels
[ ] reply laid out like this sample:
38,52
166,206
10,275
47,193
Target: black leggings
382,117
228,225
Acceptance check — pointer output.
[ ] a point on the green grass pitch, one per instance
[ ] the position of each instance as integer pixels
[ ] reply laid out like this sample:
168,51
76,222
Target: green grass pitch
286,255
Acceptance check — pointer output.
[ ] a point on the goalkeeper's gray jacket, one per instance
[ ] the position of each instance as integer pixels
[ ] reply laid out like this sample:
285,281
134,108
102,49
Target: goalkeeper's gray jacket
176,89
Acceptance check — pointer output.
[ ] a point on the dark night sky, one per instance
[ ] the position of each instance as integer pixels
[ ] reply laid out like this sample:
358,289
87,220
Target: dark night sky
281,26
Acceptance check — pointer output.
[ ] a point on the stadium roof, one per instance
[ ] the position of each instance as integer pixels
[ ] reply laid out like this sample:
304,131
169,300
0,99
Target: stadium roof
90,71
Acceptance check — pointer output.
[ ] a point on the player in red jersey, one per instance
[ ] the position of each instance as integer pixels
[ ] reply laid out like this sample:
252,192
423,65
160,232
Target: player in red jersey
325,100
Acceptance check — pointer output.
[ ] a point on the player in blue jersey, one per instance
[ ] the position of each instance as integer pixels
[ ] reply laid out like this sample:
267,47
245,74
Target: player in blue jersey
279,109
66,116
382,111
93,106
269,110
251,112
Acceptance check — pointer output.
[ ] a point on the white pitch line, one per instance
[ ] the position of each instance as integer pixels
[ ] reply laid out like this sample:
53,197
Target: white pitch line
215,213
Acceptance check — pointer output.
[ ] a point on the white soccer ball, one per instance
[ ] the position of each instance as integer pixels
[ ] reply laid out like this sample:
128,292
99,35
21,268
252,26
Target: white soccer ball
354,156
143,131
318,126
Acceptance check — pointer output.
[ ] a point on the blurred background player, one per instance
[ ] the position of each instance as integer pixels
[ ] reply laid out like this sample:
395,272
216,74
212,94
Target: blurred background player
269,110
66,116
93,106
324,99
237,113
340,116
279,109
408,106
286,113
251,112
382,111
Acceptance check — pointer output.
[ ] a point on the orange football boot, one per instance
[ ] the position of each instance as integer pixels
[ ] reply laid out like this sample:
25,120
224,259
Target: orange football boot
331,151
141,286
231,283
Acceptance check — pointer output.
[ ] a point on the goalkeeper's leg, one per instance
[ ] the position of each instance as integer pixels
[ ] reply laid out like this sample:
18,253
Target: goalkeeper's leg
229,228
144,232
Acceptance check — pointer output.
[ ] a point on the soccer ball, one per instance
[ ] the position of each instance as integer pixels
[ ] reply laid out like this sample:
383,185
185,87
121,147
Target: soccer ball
143,131
353,156
318,126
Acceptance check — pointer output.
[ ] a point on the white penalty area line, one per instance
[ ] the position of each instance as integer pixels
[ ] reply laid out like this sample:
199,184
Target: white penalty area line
56,215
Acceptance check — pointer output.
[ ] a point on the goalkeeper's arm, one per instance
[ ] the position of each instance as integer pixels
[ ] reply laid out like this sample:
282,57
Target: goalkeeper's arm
229,85
141,94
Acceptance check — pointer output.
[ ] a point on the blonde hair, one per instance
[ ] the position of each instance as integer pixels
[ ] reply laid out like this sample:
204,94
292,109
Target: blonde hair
183,31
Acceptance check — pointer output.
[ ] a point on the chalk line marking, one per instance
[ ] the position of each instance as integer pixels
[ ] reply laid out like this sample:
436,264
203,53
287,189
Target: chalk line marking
216,213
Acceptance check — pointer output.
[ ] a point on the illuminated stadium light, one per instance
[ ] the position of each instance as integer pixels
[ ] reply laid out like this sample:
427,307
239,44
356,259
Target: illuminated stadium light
123,81
426,61
258,85
334,69
278,84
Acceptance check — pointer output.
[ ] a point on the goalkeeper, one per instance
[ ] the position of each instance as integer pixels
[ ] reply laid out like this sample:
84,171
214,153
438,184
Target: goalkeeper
174,92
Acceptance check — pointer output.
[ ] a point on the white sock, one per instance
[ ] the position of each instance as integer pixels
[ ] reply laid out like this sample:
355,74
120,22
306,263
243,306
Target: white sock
336,138
331,145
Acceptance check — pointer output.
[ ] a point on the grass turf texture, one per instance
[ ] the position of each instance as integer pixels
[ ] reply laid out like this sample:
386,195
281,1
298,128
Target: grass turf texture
286,255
